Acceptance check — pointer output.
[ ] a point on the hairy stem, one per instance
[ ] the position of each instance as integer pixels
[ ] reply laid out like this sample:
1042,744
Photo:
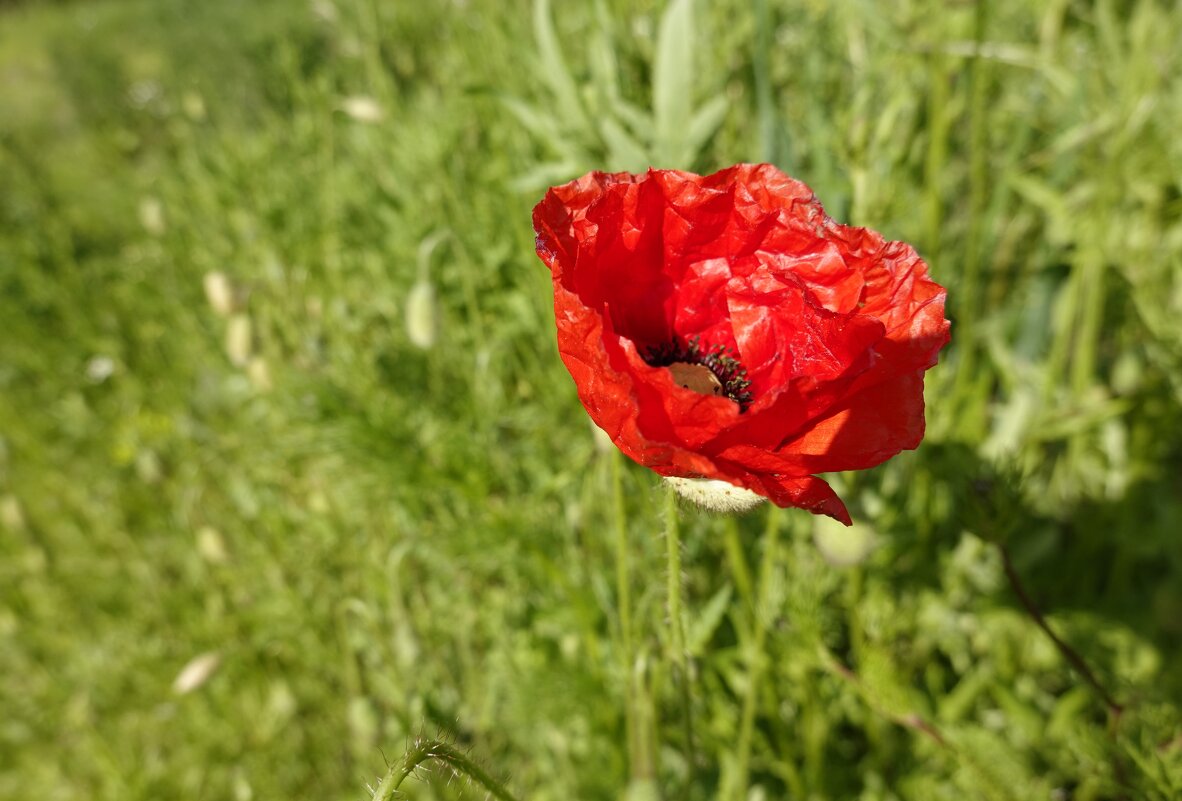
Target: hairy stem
910,720
639,758
1069,653
761,615
679,655
426,750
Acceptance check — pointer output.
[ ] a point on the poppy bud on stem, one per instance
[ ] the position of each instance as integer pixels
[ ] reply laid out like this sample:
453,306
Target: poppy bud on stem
422,303
715,495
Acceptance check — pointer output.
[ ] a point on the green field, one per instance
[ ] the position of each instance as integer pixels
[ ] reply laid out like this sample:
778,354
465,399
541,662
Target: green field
265,528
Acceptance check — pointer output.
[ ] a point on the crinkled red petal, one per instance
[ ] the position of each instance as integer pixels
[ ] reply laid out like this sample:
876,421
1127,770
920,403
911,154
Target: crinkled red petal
861,432
834,325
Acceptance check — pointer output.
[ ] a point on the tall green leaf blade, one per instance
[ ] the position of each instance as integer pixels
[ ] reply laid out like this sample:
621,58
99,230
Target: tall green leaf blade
624,152
544,127
704,123
555,72
547,174
637,120
673,81
604,64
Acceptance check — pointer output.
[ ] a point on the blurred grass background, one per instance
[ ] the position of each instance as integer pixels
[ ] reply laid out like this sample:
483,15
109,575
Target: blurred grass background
262,523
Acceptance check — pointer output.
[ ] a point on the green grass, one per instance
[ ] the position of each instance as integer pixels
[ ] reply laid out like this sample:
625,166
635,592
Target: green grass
382,542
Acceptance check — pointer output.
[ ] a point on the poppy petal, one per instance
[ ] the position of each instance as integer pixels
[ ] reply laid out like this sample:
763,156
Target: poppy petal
831,326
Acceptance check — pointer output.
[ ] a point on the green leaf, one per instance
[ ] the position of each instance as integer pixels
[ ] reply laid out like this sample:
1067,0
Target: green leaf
883,687
673,82
703,628
544,175
544,128
605,70
554,70
637,121
624,152
704,124
1050,202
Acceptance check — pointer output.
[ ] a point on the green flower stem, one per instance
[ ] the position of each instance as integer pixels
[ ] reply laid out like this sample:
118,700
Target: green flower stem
673,579
440,751
679,655
639,756
761,614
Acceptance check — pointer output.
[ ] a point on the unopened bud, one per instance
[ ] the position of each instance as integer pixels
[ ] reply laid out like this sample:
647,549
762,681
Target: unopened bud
362,108
841,545
152,216
211,546
219,292
11,516
422,317
196,672
238,344
715,495
325,10
100,368
259,374
193,105
148,467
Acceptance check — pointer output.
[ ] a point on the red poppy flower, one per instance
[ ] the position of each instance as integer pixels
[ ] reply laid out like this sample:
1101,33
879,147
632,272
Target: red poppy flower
724,327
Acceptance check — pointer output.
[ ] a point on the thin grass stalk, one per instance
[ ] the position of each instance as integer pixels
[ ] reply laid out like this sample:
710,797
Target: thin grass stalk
1115,709
769,133
740,572
1089,271
937,153
969,304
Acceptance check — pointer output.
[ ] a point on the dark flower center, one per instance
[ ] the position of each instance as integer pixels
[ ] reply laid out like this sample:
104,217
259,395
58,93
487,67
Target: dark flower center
708,370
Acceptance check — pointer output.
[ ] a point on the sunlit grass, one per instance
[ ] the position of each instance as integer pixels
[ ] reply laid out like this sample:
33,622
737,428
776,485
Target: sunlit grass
292,479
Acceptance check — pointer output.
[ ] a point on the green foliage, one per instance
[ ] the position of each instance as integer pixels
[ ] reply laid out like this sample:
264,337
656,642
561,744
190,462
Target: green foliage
290,472
594,125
